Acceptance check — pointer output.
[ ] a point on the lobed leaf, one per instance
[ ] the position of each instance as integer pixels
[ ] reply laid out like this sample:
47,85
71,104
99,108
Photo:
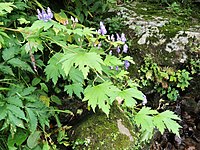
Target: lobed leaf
54,69
167,119
144,119
83,60
75,88
102,95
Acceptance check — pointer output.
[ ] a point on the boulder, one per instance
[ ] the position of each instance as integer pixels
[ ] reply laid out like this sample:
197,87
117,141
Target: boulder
99,132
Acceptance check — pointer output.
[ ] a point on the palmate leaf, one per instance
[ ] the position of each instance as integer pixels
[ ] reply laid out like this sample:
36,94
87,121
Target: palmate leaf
75,88
144,119
54,69
83,60
102,95
165,120
129,94
76,75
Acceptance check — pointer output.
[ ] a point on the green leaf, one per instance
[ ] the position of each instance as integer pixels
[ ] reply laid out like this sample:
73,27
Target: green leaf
19,137
39,24
144,119
6,8
75,88
15,120
54,69
166,120
3,112
102,95
44,87
28,91
84,61
9,53
23,21
15,101
122,74
129,58
129,94
6,70
56,100
111,60
36,81
33,121
16,111
76,75
33,139
16,62
46,146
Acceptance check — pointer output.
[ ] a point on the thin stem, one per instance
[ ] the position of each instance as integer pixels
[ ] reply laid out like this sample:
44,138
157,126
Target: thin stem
15,30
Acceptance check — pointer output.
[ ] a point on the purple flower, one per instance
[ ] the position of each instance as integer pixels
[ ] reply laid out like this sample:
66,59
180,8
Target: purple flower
118,37
123,38
49,13
125,48
99,31
126,64
118,49
103,28
112,38
117,68
45,16
144,102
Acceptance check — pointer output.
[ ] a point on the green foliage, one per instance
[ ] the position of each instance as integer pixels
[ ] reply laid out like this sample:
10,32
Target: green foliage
165,80
87,9
42,61
149,119
6,8
102,95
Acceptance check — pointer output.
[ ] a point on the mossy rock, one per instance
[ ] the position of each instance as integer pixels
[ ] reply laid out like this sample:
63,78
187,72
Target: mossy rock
99,132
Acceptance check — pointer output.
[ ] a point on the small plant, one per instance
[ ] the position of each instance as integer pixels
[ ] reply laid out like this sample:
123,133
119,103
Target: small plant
165,80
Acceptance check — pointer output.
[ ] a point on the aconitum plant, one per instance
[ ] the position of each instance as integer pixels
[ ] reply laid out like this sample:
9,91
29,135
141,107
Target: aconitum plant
102,29
45,16
125,48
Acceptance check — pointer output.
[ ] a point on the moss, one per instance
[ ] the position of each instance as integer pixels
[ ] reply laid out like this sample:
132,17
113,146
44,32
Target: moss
100,132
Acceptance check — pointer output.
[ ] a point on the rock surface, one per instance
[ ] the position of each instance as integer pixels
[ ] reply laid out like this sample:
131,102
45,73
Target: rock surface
97,131
168,37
